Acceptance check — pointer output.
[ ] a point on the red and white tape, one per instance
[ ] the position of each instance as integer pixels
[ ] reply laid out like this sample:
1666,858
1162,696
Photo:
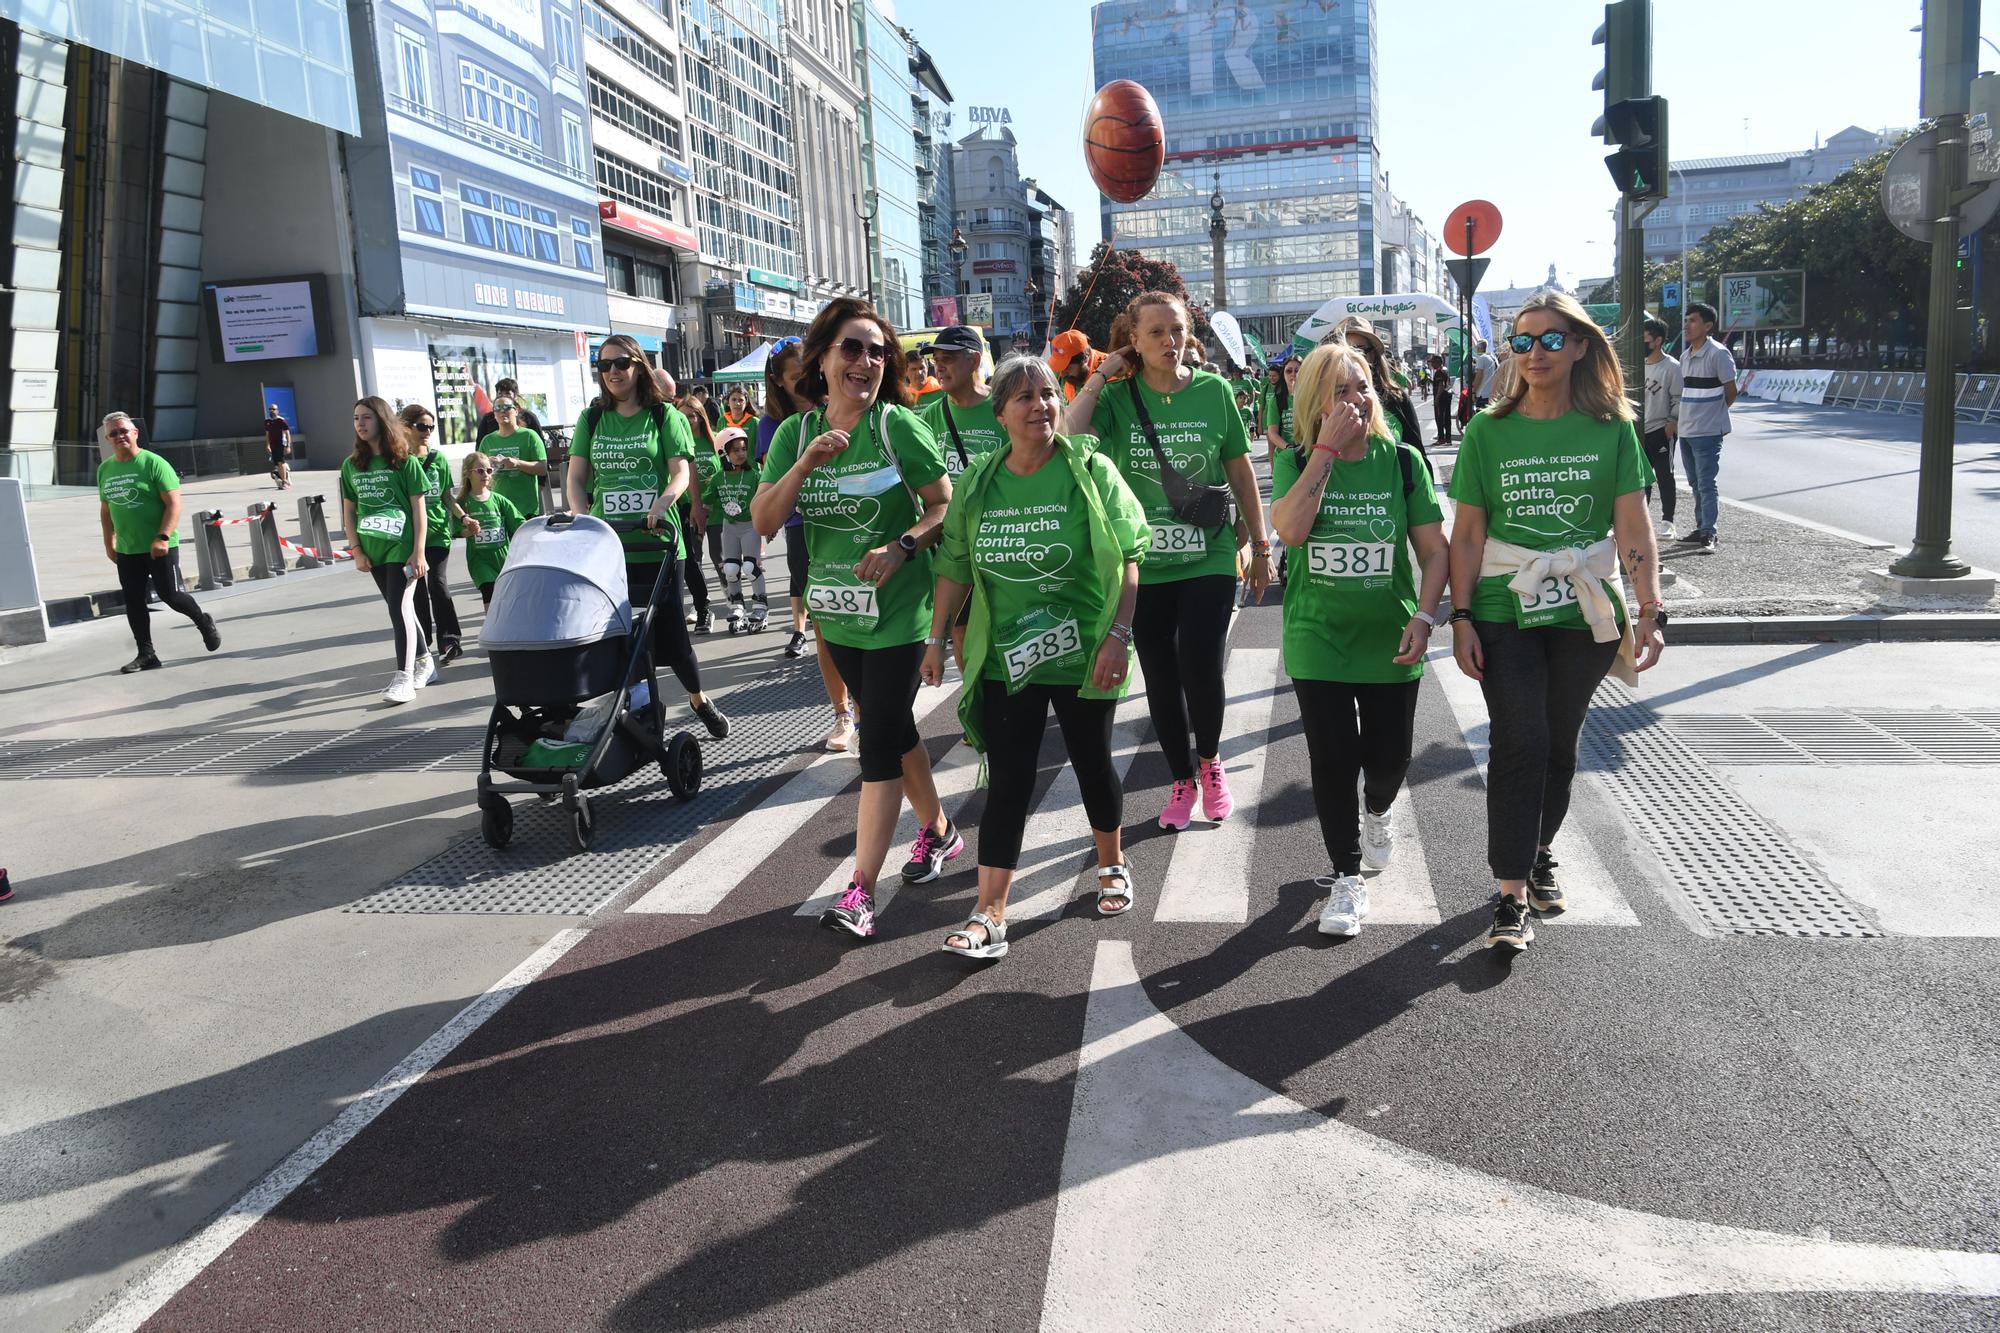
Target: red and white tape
315,552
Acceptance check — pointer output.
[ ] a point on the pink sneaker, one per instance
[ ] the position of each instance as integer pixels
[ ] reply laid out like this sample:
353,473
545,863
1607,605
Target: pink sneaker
1180,806
854,913
1216,802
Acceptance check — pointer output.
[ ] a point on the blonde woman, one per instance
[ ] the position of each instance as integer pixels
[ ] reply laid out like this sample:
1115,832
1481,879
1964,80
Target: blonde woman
1550,486
1350,504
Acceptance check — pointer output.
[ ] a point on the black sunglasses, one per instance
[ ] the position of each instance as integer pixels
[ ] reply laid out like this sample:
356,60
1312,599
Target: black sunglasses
618,363
425,430
1522,343
854,349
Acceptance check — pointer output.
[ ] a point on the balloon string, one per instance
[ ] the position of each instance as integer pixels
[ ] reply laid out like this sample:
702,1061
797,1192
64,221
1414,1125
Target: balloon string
1097,271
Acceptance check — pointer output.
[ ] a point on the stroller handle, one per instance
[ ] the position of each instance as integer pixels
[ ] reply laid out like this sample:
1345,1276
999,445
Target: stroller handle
564,518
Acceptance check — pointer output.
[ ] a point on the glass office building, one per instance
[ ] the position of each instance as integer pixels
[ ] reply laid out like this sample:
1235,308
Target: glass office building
889,168
1278,99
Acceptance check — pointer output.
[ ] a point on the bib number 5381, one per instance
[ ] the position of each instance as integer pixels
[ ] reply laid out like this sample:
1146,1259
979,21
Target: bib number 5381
1351,560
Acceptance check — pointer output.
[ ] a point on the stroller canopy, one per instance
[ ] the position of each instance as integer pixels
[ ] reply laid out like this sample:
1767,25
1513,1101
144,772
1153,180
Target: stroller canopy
563,586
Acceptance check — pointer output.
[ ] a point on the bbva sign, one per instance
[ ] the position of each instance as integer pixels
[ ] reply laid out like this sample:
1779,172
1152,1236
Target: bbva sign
990,115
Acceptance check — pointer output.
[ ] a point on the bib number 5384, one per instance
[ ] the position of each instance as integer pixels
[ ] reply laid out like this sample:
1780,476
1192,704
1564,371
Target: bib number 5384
1177,539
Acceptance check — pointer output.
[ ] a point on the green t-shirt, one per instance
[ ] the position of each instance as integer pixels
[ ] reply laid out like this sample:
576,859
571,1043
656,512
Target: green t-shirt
1283,421
437,510
978,429
486,550
1351,587
1200,429
727,494
707,463
628,459
523,490
132,490
1032,545
1544,485
852,505
381,494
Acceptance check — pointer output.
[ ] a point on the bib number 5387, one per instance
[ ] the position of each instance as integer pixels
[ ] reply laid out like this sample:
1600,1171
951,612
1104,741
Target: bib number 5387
840,599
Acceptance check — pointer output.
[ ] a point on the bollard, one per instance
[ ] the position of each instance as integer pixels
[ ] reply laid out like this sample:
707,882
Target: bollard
308,538
322,535
267,558
211,553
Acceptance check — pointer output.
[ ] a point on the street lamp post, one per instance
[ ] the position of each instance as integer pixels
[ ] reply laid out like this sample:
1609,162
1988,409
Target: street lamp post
1683,205
958,249
1217,230
866,205
1031,291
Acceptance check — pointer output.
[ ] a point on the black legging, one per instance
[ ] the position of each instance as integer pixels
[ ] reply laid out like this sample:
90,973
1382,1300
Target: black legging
1400,407
671,645
1181,630
1355,729
135,572
883,685
1014,727
436,616
393,580
1538,684
1441,410
1660,453
692,577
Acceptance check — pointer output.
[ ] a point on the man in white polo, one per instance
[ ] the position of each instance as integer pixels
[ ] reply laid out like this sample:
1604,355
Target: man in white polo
1708,391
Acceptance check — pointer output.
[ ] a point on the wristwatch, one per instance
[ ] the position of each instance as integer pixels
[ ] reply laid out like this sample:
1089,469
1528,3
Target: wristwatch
1659,617
164,537
909,545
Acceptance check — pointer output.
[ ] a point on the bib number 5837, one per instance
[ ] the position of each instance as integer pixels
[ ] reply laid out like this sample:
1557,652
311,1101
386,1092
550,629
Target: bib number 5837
628,504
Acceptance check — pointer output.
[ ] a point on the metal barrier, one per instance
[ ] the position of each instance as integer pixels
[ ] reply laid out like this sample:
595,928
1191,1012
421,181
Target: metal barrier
267,545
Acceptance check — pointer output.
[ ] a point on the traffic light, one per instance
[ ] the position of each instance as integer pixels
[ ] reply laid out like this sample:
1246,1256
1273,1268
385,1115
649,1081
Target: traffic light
1627,38
1638,126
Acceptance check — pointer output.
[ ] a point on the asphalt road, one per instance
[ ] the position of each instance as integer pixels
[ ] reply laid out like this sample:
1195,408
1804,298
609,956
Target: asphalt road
1858,471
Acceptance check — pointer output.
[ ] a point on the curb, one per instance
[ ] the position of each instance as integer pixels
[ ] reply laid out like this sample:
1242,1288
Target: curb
1864,628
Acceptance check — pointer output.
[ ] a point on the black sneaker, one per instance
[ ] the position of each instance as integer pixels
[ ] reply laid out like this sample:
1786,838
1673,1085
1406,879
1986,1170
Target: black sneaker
930,852
145,661
712,718
450,653
1707,546
854,913
1511,931
703,621
6,889
211,637
1544,894
796,645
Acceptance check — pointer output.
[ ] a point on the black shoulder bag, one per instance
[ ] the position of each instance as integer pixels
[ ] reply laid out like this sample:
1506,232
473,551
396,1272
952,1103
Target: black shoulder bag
1200,506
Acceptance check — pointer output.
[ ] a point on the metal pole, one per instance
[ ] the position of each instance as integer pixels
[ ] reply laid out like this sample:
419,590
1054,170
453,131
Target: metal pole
1632,296
1930,554
1680,338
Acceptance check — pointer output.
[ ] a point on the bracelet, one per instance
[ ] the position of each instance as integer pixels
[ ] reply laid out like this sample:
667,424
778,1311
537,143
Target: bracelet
1655,602
1260,548
935,642
1120,632
1460,614
1325,448
1426,617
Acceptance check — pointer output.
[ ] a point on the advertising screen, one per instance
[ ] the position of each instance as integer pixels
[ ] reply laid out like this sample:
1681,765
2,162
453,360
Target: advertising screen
268,319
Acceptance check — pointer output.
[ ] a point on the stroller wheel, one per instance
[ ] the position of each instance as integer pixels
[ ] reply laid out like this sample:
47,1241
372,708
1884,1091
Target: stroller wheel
682,766
496,821
582,824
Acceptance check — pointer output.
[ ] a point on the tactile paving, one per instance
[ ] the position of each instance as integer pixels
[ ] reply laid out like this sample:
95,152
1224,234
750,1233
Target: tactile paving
1837,736
1741,876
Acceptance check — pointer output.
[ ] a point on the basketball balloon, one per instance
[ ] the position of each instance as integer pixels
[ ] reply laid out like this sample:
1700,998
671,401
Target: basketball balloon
1124,141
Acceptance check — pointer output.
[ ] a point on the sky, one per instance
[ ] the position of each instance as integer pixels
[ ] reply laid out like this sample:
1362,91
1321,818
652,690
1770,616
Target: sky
1491,100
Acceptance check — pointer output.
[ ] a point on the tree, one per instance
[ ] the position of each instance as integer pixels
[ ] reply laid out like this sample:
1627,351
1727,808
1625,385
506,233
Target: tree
1107,284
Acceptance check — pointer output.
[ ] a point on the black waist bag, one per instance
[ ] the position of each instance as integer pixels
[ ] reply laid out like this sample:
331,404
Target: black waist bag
1198,505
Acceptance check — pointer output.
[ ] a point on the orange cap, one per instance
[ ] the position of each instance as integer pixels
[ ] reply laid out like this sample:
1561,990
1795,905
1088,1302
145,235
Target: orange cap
1065,347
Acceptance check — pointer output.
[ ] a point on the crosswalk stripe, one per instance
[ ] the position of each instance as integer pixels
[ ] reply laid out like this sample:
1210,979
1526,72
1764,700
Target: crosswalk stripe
955,774
1208,877
1057,848
1594,896
1401,895
700,883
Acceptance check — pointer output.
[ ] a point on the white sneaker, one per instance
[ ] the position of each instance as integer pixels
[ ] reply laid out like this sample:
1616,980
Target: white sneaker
1378,838
1664,531
1346,904
426,672
841,738
400,690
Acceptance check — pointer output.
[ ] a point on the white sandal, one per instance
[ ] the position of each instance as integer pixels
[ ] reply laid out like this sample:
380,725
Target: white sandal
1124,877
996,938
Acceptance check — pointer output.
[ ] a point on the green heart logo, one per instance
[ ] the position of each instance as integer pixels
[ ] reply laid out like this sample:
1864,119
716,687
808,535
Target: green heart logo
1190,466
1043,562
1382,529
1572,515
859,515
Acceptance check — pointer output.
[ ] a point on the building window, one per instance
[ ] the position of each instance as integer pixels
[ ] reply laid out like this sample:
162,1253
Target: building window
414,58
617,271
427,201
564,44
497,222
500,104
649,281
617,105
573,157
583,256
628,183
635,46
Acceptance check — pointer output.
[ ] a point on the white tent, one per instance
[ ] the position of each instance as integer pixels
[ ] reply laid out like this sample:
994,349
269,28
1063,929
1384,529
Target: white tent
1412,305
749,368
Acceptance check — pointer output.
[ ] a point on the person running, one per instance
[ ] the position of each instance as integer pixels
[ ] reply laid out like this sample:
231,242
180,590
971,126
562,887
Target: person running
1187,585
921,386
519,454
1356,623
489,521
435,613
1440,399
631,459
1662,422
725,502
1043,541
384,506
139,511
962,420
870,480
278,439
1550,489
736,413
1394,398
1708,391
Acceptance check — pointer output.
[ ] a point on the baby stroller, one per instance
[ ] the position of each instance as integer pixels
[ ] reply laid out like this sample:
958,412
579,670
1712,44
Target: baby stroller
576,704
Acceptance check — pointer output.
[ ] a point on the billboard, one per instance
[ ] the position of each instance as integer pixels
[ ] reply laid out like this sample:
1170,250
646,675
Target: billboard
1772,300
978,311
484,159
271,319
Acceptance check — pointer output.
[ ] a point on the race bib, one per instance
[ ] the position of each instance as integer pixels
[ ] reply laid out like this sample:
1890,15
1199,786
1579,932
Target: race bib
1551,599
1050,645
1174,542
1351,560
490,534
389,523
850,604
627,504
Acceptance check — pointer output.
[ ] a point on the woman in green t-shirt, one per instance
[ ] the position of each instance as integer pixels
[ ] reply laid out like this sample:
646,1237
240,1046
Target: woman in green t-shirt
520,457
1187,584
869,479
489,521
1046,538
384,502
1550,486
435,612
1350,506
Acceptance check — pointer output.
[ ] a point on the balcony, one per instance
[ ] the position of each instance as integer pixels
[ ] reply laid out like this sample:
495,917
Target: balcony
499,143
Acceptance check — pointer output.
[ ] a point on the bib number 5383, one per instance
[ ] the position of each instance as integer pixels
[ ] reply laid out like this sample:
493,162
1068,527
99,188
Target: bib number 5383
1049,646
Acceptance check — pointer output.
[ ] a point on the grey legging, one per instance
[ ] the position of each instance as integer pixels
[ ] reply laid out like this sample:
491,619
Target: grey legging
742,557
